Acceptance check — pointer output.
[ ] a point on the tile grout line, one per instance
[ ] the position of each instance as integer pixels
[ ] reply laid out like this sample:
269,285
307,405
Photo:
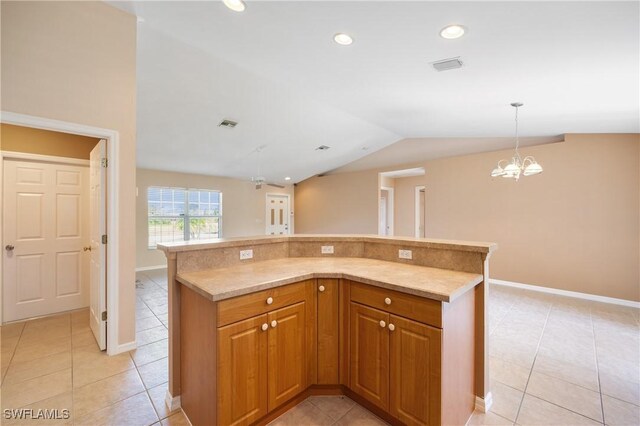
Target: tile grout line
565,408
595,350
13,354
524,392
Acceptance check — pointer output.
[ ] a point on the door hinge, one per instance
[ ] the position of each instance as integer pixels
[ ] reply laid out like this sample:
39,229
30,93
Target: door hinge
104,315
104,239
104,162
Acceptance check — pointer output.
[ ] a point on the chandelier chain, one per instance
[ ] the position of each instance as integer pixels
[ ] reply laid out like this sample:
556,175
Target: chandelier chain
517,134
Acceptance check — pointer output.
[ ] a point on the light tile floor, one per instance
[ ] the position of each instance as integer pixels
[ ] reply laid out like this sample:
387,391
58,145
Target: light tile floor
554,360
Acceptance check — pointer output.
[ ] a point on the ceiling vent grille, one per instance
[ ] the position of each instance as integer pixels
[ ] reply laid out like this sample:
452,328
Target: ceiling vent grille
447,64
230,124
322,148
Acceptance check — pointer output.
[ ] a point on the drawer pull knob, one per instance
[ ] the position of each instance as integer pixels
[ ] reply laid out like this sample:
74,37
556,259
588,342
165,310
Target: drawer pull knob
265,326
387,301
382,324
269,300
392,327
321,288
274,323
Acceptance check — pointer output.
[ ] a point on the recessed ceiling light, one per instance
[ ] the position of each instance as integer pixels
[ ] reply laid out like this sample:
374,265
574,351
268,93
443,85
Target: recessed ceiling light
235,5
343,39
452,31
287,178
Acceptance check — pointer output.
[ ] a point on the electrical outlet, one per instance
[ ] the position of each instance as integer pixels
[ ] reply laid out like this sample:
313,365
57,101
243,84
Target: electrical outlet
246,254
327,250
405,254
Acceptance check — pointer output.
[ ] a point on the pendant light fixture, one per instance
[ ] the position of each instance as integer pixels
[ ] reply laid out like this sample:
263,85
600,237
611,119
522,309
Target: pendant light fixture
517,166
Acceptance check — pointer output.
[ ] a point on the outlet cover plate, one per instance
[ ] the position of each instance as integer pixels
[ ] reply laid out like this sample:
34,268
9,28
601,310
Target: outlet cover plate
246,254
326,250
405,254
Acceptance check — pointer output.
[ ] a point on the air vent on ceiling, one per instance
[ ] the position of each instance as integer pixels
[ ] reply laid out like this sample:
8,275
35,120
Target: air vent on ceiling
322,148
447,64
230,124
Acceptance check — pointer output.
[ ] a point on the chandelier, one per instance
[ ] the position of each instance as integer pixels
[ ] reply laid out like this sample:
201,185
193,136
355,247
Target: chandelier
517,166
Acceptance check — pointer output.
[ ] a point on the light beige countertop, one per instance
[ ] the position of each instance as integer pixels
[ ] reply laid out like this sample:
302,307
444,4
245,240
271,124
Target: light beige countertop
433,283
185,246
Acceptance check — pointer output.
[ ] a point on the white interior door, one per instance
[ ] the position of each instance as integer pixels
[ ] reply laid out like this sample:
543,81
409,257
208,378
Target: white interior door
44,228
382,216
277,214
98,271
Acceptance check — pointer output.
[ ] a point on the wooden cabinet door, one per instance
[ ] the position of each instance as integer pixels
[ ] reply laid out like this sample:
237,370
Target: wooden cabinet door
370,354
414,371
328,331
287,354
242,371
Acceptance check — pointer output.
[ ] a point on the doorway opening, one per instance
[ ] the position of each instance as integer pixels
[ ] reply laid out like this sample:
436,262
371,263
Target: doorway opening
420,215
56,212
278,214
396,210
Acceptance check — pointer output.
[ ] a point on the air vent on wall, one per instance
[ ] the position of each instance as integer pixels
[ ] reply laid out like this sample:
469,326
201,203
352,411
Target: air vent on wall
322,148
447,64
230,124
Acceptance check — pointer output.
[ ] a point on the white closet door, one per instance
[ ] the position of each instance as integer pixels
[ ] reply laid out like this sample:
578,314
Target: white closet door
45,229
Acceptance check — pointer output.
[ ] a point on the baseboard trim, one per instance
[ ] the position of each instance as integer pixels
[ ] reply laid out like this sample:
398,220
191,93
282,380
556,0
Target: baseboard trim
576,294
151,268
172,402
484,404
126,347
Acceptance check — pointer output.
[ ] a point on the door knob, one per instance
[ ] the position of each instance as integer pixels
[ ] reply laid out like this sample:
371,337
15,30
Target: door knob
265,326
274,323
88,248
392,327
9,247
382,324
321,288
269,300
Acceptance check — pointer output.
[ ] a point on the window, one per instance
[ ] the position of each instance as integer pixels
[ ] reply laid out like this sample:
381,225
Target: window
178,214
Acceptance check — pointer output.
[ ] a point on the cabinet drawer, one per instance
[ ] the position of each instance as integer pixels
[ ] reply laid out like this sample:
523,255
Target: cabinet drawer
416,308
250,305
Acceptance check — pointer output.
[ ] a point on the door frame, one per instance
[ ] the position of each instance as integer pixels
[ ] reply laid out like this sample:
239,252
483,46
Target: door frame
417,211
390,202
113,192
266,210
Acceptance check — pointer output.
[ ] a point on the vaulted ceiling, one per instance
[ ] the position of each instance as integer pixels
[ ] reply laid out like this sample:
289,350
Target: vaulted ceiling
276,70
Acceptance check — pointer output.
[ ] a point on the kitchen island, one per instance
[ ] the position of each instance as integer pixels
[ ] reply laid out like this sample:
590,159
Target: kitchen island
258,324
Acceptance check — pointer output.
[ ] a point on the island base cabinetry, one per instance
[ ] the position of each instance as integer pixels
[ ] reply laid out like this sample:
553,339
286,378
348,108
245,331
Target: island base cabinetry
395,364
412,357
242,371
249,358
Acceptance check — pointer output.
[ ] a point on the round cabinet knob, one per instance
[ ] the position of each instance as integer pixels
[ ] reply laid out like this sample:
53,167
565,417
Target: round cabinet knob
382,324
387,301
265,326
392,327
321,288
274,323
269,300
